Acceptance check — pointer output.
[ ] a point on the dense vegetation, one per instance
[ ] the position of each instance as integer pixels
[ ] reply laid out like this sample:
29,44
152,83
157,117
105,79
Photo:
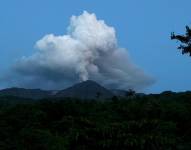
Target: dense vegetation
152,122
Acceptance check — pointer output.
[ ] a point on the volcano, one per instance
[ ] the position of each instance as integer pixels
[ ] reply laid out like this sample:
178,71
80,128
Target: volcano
86,90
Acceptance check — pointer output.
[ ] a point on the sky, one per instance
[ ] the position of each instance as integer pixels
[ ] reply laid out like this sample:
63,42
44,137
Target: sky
142,27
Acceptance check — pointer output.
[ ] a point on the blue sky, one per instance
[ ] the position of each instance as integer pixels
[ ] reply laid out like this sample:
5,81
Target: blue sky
143,27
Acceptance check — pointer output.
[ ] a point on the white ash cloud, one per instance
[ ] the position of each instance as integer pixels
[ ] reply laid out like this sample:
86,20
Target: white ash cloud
89,50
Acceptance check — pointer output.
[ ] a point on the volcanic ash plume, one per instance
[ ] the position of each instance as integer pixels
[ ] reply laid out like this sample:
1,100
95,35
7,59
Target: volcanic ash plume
89,50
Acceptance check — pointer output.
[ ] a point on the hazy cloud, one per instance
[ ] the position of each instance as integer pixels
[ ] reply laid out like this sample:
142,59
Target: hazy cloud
89,50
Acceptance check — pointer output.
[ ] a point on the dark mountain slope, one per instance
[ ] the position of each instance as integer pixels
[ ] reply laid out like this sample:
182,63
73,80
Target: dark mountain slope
25,93
86,90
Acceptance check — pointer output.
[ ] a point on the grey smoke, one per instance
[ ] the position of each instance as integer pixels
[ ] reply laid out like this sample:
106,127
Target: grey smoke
89,50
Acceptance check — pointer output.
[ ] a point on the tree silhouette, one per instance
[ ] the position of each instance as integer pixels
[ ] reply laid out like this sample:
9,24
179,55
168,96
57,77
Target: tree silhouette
185,40
98,95
130,93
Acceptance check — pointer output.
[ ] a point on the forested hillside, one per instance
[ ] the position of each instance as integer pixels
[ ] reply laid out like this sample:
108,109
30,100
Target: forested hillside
150,122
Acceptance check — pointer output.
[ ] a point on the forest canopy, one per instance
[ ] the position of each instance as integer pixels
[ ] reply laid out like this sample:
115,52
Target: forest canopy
150,122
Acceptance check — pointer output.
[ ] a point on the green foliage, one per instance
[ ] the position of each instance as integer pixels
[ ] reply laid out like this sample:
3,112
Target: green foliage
185,40
152,122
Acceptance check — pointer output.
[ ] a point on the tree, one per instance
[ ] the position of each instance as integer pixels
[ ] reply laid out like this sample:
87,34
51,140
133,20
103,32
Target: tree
130,93
98,95
185,40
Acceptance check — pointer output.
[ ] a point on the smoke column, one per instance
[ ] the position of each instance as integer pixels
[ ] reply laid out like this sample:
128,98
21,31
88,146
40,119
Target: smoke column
89,50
